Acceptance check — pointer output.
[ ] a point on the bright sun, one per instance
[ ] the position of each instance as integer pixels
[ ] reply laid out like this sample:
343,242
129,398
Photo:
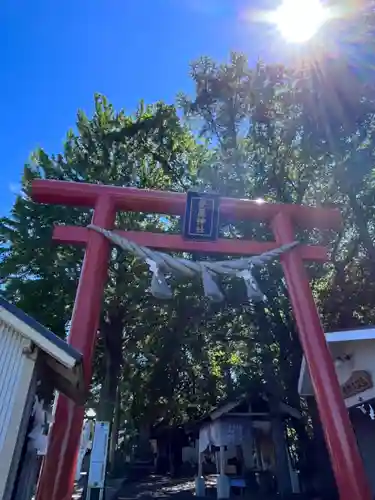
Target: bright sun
299,20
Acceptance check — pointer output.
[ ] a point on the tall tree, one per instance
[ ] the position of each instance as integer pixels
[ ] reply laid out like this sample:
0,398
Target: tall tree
149,150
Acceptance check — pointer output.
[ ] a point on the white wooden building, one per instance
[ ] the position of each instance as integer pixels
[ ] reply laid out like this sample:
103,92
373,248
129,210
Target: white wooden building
353,353
33,363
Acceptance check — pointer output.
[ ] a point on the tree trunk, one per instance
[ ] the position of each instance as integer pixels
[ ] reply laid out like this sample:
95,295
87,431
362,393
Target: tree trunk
324,477
112,333
282,462
144,446
114,432
282,471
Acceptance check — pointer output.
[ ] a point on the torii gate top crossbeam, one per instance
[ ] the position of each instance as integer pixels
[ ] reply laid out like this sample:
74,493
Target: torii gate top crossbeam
164,202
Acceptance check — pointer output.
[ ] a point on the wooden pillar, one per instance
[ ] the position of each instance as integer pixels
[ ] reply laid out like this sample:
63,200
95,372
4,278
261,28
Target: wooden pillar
200,464
222,460
258,452
56,480
217,462
281,458
200,485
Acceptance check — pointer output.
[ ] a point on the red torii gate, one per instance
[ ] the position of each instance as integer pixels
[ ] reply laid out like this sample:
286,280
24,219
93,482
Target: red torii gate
57,477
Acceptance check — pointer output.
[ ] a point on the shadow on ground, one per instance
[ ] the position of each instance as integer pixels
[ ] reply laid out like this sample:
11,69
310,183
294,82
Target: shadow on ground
154,487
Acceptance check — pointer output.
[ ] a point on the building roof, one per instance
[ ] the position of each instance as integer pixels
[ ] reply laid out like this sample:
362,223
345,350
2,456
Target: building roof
226,408
63,360
363,333
229,406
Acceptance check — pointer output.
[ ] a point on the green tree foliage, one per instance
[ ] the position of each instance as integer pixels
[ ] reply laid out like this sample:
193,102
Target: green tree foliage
149,150
259,132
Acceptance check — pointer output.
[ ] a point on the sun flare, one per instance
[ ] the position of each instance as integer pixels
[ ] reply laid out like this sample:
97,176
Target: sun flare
299,20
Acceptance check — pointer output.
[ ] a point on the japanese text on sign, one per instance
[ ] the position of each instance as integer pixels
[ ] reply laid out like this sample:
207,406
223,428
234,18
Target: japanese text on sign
201,216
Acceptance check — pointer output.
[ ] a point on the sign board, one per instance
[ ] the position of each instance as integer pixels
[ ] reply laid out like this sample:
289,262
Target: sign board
358,382
85,444
201,216
98,461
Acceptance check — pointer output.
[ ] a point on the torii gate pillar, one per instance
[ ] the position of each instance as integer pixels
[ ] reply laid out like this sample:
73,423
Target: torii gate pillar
57,476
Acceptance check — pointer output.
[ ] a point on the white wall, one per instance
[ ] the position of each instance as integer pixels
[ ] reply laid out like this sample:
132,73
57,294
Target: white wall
16,371
362,354
190,453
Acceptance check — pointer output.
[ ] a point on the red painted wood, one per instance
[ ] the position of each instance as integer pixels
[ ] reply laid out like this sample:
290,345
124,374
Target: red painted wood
167,242
341,442
57,477
165,202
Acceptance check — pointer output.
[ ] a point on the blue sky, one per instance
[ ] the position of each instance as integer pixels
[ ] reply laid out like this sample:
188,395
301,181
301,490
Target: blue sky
56,55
